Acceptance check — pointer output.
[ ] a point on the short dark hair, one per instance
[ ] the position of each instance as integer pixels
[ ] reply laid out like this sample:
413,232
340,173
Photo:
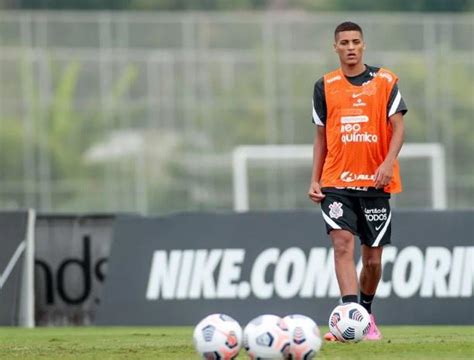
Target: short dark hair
347,26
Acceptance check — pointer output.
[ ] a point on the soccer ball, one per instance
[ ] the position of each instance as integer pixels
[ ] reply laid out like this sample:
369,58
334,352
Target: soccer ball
304,336
349,322
267,337
218,337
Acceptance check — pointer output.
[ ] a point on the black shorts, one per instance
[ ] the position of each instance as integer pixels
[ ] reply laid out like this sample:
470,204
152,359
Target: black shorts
367,217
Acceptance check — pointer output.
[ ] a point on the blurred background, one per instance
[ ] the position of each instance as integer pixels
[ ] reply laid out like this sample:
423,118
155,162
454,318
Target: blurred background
138,105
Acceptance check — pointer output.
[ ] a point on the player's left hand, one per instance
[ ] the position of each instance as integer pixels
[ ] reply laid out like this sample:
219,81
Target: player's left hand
383,175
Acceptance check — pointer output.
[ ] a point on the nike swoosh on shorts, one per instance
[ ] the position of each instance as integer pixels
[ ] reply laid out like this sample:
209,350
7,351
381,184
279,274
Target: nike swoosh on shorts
378,227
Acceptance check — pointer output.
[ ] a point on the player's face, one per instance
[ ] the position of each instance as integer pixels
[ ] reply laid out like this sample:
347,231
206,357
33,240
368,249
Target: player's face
350,47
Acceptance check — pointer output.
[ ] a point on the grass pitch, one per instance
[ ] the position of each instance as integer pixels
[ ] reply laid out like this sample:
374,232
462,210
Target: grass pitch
410,342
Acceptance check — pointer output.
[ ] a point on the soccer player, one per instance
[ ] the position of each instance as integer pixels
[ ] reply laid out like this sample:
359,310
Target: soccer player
359,112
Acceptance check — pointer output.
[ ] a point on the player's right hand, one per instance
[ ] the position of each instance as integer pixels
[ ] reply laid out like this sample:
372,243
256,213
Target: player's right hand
315,193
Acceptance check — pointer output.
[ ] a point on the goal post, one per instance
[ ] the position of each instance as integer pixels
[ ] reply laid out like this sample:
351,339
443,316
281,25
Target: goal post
26,309
241,155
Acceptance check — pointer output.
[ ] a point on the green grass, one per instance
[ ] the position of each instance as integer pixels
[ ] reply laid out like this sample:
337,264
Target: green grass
411,342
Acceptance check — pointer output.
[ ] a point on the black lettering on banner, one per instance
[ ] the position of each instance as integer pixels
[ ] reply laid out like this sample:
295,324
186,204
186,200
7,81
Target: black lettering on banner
88,270
99,270
48,280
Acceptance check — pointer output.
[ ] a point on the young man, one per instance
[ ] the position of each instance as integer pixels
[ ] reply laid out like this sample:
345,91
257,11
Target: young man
359,112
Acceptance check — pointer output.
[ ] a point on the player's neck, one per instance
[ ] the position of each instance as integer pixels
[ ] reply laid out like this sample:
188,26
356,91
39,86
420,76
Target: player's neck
353,70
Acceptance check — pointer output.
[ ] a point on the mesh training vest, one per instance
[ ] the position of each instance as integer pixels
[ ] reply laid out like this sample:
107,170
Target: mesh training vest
358,132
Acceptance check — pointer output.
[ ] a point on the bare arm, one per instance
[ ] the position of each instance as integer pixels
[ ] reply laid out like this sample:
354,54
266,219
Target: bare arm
384,173
319,156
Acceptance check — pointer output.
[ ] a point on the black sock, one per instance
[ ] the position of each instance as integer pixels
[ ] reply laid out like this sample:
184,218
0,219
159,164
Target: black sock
366,301
349,298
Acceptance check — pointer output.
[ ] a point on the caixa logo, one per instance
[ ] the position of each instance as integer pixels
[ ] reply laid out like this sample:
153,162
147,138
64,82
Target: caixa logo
294,273
348,176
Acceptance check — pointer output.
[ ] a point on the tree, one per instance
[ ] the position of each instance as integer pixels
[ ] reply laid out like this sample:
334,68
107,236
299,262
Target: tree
211,5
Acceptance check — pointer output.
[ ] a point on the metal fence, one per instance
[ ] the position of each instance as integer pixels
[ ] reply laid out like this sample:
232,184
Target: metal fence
125,111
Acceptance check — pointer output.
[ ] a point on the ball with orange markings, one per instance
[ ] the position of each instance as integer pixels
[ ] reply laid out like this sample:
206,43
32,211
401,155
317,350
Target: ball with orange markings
305,337
218,337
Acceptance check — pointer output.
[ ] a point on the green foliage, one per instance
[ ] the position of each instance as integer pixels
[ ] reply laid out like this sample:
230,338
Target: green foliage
206,5
11,149
58,130
203,109
66,4
399,5
63,126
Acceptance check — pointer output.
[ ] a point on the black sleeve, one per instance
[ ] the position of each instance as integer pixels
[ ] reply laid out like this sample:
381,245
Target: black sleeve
319,103
396,103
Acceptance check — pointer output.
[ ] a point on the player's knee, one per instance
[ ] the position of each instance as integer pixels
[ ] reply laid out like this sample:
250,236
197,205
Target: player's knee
342,250
373,264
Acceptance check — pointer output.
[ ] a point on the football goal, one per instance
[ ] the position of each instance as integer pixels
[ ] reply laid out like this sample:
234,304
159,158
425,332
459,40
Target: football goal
432,152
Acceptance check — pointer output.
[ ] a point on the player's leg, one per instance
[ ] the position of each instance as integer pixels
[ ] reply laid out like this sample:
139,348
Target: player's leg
370,274
369,279
341,225
343,244
339,214
375,230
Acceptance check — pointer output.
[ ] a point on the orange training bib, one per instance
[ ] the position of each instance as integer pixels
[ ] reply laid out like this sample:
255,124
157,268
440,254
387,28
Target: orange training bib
358,132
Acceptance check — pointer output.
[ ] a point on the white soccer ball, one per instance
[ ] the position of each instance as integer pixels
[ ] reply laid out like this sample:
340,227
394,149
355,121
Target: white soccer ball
218,336
305,338
267,337
349,322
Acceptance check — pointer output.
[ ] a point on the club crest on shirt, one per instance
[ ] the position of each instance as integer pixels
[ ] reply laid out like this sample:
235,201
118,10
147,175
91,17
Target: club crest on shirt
335,211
